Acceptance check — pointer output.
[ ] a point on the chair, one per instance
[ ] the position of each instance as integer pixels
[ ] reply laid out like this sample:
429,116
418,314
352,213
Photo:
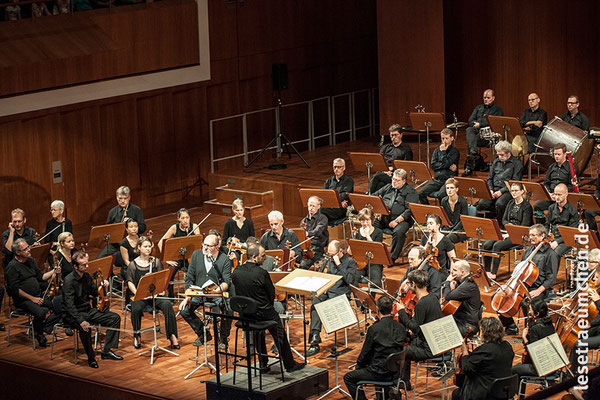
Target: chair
543,381
148,309
394,363
429,364
18,313
504,388
246,308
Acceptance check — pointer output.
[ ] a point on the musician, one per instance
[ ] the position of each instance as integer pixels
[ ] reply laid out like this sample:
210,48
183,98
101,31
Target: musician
78,288
343,184
426,310
371,234
488,362
460,287
478,120
416,256
558,172
238,226
144,264
384,337
573,116
438,240
57,225
127,246
396,197
279,237
504,168
16,230
561,213
547,261
518,212
454,205
338,264
25,284
64,254
444,163
532,121
315,225
250,280
396,150
124,209
208,264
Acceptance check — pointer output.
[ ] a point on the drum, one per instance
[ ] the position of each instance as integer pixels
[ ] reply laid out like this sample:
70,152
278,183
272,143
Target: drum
576,140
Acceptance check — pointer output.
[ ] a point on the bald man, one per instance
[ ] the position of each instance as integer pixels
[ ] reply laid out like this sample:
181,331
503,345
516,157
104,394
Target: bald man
478,120
560,213
533,120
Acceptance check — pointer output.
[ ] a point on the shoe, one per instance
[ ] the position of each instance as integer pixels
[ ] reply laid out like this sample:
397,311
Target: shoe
274,349
199,341
68,331
408,385
2,328
93,363
314,338
265,370
512,331
174,346
208,336
223,346
42,341
296,367
490,275
467,172
137,341
110,355
312,350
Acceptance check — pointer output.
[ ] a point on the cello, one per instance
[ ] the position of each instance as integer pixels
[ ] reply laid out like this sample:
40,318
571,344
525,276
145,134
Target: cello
405,295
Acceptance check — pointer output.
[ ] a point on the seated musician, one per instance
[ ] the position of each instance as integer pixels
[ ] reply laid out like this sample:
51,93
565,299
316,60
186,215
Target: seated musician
25,284
57,225
574,116
561,212
208,264
478,120
444,163
127,246
338,264
384,337
459,287
416,256
138,267
343,184
64,254
315,225
279,237
371,234
547,263
396,150
518,212
540,327
396,197
78,288
590,215
124,209
426,310
504,168
250,280
558,172
532,121
439,241
488,362
238,226
454,205
16,230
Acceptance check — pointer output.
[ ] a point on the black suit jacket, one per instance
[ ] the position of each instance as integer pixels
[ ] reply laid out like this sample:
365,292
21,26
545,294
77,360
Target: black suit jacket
385,337
197,275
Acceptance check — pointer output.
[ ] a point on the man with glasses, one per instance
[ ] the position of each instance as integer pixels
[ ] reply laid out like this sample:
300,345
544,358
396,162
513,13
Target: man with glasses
16,230
573,116
478,120
504,168
343,184
533,120
396,150
208,267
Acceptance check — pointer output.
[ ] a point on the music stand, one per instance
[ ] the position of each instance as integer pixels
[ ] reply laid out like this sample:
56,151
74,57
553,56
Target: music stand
568,233
373,253
432,122
481,229
477,187
518,234
510,126
276,276
370,161
330,197
104,265
368,304
417,172
151,285
421,211
103,235
40,253
583,201
360,201
535,190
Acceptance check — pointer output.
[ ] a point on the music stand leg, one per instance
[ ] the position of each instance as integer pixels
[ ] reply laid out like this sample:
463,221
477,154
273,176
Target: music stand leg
155,346
287,329
427,129
335,354
207,363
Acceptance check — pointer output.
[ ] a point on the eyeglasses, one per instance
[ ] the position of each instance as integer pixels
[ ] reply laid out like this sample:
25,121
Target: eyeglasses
338,166
533,99
208,246
572,102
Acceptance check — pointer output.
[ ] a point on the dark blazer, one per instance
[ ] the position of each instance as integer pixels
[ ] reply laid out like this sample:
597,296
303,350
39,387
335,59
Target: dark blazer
383,338
197,275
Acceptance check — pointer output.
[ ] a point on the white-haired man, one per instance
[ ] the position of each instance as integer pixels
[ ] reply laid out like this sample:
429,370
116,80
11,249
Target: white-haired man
280,237
343,184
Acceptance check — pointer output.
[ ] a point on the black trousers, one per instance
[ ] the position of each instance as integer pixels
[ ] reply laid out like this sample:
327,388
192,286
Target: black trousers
398,234
279,336
109,250
414,353
137,310
590,218
38,312
496,205
333,214
318,254
495,245
375,271
315,321
379,180
189,315
362,374
540,206
474,140
434,188
106,319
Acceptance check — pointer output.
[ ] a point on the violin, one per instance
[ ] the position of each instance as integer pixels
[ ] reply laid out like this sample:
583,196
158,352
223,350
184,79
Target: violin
405,295
56,280
103,303
321,265
459,376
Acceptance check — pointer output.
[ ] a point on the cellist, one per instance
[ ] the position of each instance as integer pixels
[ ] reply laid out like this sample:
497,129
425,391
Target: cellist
546,261
459,287
416,257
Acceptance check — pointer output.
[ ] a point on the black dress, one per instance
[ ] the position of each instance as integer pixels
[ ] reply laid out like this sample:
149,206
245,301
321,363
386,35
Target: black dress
376,272
231,229
444,246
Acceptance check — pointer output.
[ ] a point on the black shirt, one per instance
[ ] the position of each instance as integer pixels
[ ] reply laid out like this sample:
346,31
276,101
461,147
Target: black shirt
500,172
115,215
316,227
231,229
135,272
434,285
66,267
441,162
569,217
537,115
270,242
343,186
540,329
397,200
252,281
460,208
467,292
558,174
547,262
25,276
77,293
427,309
444,246
481,111
391,153
383,338
347,270
198,275
52,224
579,120
28,235
518,214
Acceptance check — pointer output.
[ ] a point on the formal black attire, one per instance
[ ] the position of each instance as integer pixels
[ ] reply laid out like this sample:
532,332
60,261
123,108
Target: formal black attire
468,313
390,153
441,160
444,246
397,201
66,266
434,284
28,235
515,214
500,173
555,217
316,227
460,208
231,229
343,186
115,215
590,215
579,120
533,134
556,174
77,291
540,329
479,115
65,226
375,271
180,263
485,364
270,242
119,261
383,338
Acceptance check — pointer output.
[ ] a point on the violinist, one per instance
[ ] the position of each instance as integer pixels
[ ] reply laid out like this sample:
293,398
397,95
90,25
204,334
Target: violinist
279,237
369,233
460,287
338,264
16,230
315,225
78,288
455,206
490,361
57,225
561,213
438,240
238,226
138,267
127,246
518,212
547,263
66,248
341,183
416,260
426,310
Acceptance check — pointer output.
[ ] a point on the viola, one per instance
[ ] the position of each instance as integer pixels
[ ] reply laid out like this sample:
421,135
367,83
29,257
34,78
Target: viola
103,302
405,295
449,307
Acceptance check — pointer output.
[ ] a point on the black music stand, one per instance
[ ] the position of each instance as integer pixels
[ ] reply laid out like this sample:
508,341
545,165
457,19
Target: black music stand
370,161
432,122
477,188
535,190
368,305
40,253
481,229
510,126
421,211
360,201
373,253
417,172
103,235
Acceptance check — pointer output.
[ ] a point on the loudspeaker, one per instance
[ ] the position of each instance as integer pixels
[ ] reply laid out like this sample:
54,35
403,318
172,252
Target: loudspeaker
280,77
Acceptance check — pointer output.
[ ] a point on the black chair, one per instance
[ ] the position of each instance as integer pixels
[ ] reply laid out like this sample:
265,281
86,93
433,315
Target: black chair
395,364
504,388
246,308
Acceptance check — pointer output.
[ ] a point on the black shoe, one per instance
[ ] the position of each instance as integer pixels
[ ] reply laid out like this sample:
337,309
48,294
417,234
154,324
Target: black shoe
68,331
42,341
2,328
174,346
265,370
512,330
93,363
314,338
199,341
137,341
274,349
208,336
485,168
467,172
110,355
223,344
312,350
296,367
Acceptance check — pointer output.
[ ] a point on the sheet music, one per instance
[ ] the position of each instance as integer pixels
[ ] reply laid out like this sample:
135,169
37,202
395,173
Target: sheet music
442,335
336,314
312,283
547,357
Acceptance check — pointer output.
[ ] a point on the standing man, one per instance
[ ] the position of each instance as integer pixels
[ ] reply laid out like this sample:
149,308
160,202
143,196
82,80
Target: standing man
396,150
458,286
280,237
478,120
16,230
561,213
532,121
315,225
573,116
343,184
444,163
